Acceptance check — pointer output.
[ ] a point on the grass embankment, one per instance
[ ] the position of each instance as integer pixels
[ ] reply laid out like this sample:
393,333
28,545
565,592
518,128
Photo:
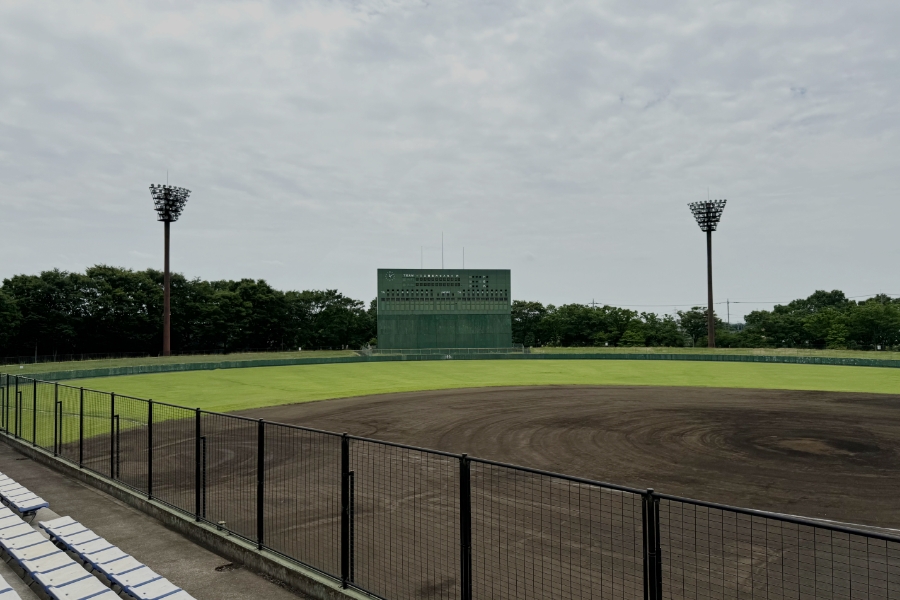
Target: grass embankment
28,369
236,389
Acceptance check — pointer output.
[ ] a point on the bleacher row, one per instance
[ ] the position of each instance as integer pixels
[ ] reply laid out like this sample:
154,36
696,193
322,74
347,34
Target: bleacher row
70,562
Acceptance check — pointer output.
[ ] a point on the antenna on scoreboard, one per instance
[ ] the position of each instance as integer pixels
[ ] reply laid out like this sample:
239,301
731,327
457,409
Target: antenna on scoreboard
464,257
442,251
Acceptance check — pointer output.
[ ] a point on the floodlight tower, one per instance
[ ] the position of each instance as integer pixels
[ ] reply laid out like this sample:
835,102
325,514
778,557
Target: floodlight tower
708,214
169,201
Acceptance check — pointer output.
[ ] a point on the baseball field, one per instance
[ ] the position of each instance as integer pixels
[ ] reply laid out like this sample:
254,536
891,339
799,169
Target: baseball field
803,439
811,440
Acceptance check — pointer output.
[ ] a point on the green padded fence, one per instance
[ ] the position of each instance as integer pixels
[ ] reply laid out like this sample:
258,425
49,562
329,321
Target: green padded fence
281,362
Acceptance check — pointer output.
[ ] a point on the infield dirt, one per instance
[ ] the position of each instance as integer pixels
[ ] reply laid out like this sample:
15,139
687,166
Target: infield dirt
828,455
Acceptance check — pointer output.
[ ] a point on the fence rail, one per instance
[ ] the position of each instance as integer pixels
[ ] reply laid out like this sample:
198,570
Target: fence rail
398,521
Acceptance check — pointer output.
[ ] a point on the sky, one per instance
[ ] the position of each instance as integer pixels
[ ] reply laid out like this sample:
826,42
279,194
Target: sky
561,140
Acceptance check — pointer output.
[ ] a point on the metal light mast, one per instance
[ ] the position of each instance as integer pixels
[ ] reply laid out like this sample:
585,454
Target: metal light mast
168,201
708,214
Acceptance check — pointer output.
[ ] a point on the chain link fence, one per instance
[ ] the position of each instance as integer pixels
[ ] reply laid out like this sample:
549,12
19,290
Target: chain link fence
402,522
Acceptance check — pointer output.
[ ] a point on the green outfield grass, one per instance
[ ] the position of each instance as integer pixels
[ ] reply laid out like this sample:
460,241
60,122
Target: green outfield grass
35,369
234,389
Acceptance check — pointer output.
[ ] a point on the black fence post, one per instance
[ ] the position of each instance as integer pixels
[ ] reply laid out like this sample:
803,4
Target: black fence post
149,449
345,510
352,569
17,400
465,527
20,408
203,477
260,483
55,427
59,408
652,551
197,466
34,412
81,428
57,423
4,403
118,447
112,435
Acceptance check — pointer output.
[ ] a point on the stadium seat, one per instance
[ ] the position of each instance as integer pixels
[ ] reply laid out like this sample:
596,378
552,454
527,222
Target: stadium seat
19,497
121,569
6,591
83,589
45,565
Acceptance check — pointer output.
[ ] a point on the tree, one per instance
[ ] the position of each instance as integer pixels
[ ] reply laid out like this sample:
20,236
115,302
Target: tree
52,308
9,319
693,323
109,309
662,331
527,319
875,322
635,334
122,310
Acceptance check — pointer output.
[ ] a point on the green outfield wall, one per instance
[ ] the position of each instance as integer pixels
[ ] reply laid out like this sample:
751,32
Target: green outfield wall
245,364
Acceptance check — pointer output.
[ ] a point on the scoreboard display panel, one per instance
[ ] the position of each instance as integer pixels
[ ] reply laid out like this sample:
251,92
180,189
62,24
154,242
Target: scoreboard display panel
444,308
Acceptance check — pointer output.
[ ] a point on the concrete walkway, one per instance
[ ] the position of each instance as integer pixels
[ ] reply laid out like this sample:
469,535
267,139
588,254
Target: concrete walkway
203,574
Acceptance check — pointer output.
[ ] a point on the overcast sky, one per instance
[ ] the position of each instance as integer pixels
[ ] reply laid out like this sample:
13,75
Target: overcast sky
562,140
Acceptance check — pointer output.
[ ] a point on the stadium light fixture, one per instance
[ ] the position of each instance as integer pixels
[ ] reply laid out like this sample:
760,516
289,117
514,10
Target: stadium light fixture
169,202
708,214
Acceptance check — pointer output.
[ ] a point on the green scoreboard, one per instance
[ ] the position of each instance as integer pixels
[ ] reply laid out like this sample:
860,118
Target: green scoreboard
444,308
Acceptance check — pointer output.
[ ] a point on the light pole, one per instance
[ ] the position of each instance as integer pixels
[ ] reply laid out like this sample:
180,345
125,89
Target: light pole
169,201
708,214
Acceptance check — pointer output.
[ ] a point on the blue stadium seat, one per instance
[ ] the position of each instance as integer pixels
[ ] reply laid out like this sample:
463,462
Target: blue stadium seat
48,567
19,497
132,576
6,591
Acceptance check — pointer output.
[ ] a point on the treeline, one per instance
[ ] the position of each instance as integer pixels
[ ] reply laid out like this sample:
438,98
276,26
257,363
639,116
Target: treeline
113,310
825,320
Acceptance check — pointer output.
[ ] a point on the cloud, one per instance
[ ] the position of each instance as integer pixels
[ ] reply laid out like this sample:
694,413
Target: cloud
325,139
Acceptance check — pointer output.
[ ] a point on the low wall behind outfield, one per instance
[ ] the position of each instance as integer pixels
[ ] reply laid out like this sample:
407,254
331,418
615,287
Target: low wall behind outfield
283,362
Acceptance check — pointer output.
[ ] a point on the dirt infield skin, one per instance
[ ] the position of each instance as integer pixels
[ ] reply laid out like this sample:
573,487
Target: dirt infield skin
819,454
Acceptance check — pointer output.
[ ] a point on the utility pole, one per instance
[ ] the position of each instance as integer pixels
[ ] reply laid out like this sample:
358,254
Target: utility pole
708,214
168,201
